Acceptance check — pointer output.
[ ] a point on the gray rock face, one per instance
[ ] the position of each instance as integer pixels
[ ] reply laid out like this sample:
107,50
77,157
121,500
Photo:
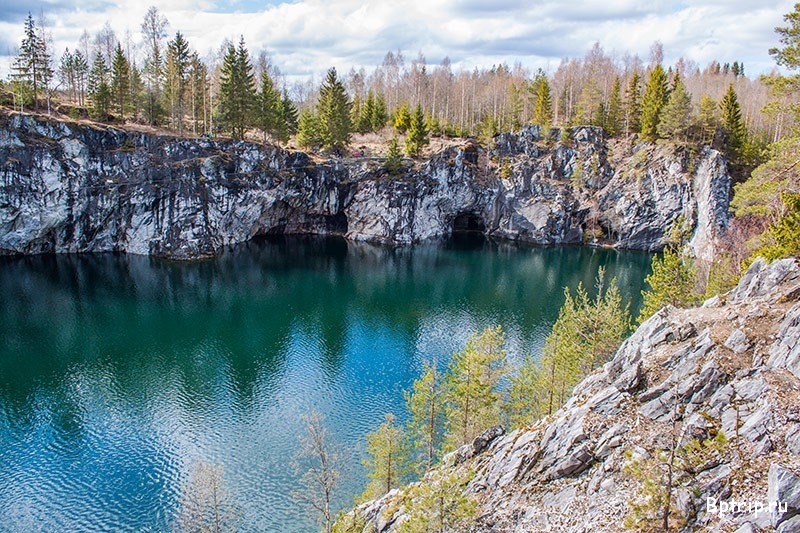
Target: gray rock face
785,352
674,382
784,489
71,188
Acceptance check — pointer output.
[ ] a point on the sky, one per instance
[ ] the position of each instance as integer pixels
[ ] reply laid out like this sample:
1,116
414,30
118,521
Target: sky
306,37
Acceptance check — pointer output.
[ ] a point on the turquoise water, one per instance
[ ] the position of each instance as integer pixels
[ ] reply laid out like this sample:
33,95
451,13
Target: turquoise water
120,373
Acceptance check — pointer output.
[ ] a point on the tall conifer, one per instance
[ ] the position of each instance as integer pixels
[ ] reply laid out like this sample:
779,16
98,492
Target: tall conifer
333,113
653,102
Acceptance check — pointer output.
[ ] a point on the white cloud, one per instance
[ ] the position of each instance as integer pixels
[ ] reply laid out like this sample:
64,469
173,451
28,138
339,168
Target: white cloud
308,36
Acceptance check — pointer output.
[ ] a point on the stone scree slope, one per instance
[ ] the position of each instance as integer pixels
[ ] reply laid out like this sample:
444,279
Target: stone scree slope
732,364
66,187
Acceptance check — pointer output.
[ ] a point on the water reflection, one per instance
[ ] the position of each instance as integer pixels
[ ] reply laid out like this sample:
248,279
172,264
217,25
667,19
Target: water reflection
117,372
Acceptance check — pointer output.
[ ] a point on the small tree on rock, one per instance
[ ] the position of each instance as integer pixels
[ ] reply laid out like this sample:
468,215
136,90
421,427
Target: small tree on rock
417,133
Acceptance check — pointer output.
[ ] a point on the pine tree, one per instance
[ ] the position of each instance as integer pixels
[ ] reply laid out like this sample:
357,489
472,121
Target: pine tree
673,277
677,114
633,105
472,385
527,392
602,323
789,55
417,133
585,335
439,504
425,404
308,131
732,124
707,118
120,83
394,158
543,104
333,113
31,70
614,115
402,118
387,462
99,89
653,102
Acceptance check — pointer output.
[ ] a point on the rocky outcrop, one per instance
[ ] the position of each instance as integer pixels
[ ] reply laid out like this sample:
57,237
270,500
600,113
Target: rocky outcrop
67,187
729,368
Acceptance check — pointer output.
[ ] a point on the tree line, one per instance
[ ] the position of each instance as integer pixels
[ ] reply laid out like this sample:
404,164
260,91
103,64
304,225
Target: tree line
168,84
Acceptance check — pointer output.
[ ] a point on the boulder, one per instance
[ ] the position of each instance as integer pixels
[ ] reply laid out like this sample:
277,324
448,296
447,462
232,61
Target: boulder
784,491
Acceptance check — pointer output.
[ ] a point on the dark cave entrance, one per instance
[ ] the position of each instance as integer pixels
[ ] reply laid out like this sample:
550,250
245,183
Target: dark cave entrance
468,224
336,224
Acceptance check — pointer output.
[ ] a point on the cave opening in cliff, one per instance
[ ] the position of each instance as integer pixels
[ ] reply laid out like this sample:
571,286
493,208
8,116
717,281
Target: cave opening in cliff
468,224
336,224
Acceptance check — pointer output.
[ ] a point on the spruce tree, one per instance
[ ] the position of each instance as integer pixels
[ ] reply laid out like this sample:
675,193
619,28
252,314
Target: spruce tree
31,70
66,73
308,130
543,104
237,91
120,83
379,114
653,102
614,114
364,124
99,89
178,63
394,158
81,66
425,404
289,118
333,113
269,109
387,461
402,118
732,123
417,133
633,105
198,92
677,114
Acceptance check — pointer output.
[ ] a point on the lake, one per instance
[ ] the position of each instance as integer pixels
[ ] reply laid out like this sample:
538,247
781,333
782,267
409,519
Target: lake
119,374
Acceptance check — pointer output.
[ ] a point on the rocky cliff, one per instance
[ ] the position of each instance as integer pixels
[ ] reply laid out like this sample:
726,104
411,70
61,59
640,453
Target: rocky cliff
684,379
67,187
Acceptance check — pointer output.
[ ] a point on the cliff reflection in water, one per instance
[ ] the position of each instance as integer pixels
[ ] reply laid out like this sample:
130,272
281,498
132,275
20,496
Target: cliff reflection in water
117,372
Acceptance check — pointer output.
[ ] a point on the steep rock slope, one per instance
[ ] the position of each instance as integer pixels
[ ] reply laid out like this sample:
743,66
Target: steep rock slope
66,187
732,365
